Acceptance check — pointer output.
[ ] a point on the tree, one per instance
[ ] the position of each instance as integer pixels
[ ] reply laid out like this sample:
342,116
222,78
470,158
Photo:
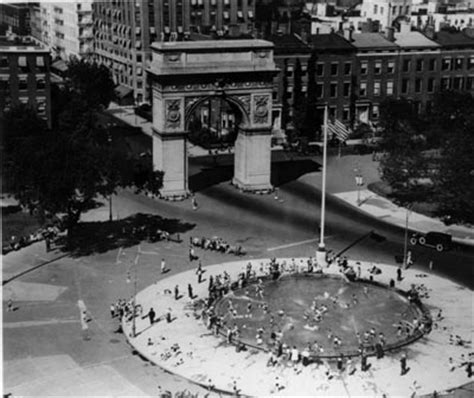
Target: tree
402,164
453,126
91,81
63,170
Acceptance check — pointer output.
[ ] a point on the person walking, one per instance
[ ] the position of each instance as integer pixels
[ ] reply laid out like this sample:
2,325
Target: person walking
192,254
399,273
194,202
10,305
168,316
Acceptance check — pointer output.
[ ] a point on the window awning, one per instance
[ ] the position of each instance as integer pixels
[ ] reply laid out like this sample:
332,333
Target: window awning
123,91
59,65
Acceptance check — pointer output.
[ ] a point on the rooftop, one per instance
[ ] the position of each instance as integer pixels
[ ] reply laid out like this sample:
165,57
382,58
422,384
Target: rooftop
20,44
414,40
211,45
453,39
331,41
372,41
289,44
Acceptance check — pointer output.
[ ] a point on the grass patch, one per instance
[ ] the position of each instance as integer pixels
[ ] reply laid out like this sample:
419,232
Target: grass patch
18,223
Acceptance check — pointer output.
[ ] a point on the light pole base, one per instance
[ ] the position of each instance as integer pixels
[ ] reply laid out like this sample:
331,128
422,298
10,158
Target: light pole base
321,256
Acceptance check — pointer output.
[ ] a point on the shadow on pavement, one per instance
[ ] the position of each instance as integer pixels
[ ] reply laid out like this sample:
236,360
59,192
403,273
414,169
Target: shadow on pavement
281,173
290,170
99,237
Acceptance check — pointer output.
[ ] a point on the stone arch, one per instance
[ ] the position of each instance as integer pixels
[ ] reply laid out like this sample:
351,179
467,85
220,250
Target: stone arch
185,74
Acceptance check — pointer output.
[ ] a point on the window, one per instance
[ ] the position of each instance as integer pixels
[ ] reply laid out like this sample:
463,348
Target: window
419,65
391,67
346,114
446,64
458,63
405,86
334,69
471,62
40,84
376,88
347,68
418,83
378,67
406,65
319,90
319,69
457,83
375,111
375,8
432,64
22,84
3,62
431,84
389,88
470,83
363,68
289,71
333,90
346,89
332,112
445,83
363,89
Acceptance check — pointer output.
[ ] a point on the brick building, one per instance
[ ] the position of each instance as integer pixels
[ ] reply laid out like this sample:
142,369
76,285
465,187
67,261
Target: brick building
25,75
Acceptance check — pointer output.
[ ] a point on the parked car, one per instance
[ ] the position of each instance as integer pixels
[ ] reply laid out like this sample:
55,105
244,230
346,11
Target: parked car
438,240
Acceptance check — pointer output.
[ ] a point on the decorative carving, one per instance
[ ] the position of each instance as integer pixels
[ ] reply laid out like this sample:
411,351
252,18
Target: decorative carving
245,101
262,54
172,57
189,102
261,112
173,114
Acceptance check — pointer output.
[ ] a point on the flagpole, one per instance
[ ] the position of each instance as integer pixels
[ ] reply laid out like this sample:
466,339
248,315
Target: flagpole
321,252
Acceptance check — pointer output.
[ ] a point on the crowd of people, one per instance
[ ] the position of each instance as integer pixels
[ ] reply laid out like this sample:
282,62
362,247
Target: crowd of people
216,244
49,234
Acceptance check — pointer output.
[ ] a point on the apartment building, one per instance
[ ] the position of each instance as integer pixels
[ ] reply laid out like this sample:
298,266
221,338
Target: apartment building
65,27
15,18
25,75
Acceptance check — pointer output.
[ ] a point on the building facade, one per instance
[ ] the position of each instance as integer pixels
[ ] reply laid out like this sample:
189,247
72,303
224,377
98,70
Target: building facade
15,18
25,76
65,27
385,11
124,31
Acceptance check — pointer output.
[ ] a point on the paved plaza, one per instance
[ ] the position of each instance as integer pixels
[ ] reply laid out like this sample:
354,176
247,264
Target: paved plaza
186,347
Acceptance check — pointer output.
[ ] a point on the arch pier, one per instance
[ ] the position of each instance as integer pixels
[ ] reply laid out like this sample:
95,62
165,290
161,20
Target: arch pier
184,75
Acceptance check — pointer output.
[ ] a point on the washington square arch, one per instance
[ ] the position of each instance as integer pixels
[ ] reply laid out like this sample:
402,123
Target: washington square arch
186,75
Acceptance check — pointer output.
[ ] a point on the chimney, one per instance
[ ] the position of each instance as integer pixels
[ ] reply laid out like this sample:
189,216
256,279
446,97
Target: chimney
390,33
405,26
348,33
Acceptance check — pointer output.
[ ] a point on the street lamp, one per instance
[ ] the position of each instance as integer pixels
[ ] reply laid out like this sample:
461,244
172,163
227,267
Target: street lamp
359,182
405,244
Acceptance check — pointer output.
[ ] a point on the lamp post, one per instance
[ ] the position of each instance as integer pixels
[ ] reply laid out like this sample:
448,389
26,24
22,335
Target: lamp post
359,182
321,252
135,266
405,244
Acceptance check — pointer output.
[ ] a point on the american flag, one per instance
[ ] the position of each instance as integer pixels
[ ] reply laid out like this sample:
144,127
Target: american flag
339,130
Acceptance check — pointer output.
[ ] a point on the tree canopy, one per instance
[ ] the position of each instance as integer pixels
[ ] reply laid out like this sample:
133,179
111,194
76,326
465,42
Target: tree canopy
428,158
63,170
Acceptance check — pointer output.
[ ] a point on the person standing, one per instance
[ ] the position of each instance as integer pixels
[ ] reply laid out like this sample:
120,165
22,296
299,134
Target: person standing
176,292
163,266
10,305
190,291
168,315
403,364
399,273
151,316
194,202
